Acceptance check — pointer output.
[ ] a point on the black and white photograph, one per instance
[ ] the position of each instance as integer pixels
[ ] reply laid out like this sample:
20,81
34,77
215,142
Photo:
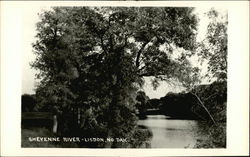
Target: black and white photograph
133,77
128,77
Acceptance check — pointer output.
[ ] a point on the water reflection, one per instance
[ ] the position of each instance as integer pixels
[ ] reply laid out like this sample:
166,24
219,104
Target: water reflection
170,133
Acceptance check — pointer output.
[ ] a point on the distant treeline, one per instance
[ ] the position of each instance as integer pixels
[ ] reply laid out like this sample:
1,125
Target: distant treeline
186,104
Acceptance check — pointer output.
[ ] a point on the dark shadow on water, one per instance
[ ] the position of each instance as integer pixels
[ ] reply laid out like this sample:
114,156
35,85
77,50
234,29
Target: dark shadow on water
174,129
162,116
180,118
143,127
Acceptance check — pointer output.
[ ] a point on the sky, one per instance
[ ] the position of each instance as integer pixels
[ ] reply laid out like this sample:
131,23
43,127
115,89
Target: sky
30,18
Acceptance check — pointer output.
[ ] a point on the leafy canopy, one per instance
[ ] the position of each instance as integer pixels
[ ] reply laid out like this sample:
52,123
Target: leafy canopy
95,58
146,35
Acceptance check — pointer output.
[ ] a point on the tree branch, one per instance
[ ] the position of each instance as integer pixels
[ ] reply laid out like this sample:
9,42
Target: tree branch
152,74
102,45
205,108
125,41
137,62
210,96
111,43
141,69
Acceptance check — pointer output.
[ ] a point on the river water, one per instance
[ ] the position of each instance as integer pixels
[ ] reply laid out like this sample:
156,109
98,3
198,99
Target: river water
171,133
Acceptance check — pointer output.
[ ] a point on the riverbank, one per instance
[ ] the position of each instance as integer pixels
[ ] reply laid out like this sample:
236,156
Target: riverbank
213,136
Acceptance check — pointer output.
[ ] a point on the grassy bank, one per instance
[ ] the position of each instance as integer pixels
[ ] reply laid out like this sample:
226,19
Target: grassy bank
213,136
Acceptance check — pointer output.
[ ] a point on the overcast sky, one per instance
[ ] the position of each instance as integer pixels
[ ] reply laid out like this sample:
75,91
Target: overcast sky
30,18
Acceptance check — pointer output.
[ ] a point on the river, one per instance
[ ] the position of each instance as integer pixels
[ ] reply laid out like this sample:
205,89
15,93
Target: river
171,133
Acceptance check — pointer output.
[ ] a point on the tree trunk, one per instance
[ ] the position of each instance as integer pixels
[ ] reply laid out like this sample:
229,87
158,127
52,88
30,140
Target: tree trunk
205,108
78,115
55,124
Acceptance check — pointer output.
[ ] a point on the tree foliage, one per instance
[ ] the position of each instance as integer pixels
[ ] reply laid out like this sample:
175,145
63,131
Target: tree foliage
214,46
142,104
92,61
28,103
178,105
213,50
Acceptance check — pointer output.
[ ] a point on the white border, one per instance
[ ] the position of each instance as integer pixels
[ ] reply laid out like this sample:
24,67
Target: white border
238,81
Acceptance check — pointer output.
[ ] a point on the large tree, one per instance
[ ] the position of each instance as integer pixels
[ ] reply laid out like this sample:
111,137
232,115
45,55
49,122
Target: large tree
93,60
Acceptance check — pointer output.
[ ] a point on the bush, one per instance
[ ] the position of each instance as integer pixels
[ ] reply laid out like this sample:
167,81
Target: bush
141,138
213,136
28,103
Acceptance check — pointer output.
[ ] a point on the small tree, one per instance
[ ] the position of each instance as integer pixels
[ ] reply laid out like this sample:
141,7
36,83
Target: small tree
28,103
214,50
214,47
